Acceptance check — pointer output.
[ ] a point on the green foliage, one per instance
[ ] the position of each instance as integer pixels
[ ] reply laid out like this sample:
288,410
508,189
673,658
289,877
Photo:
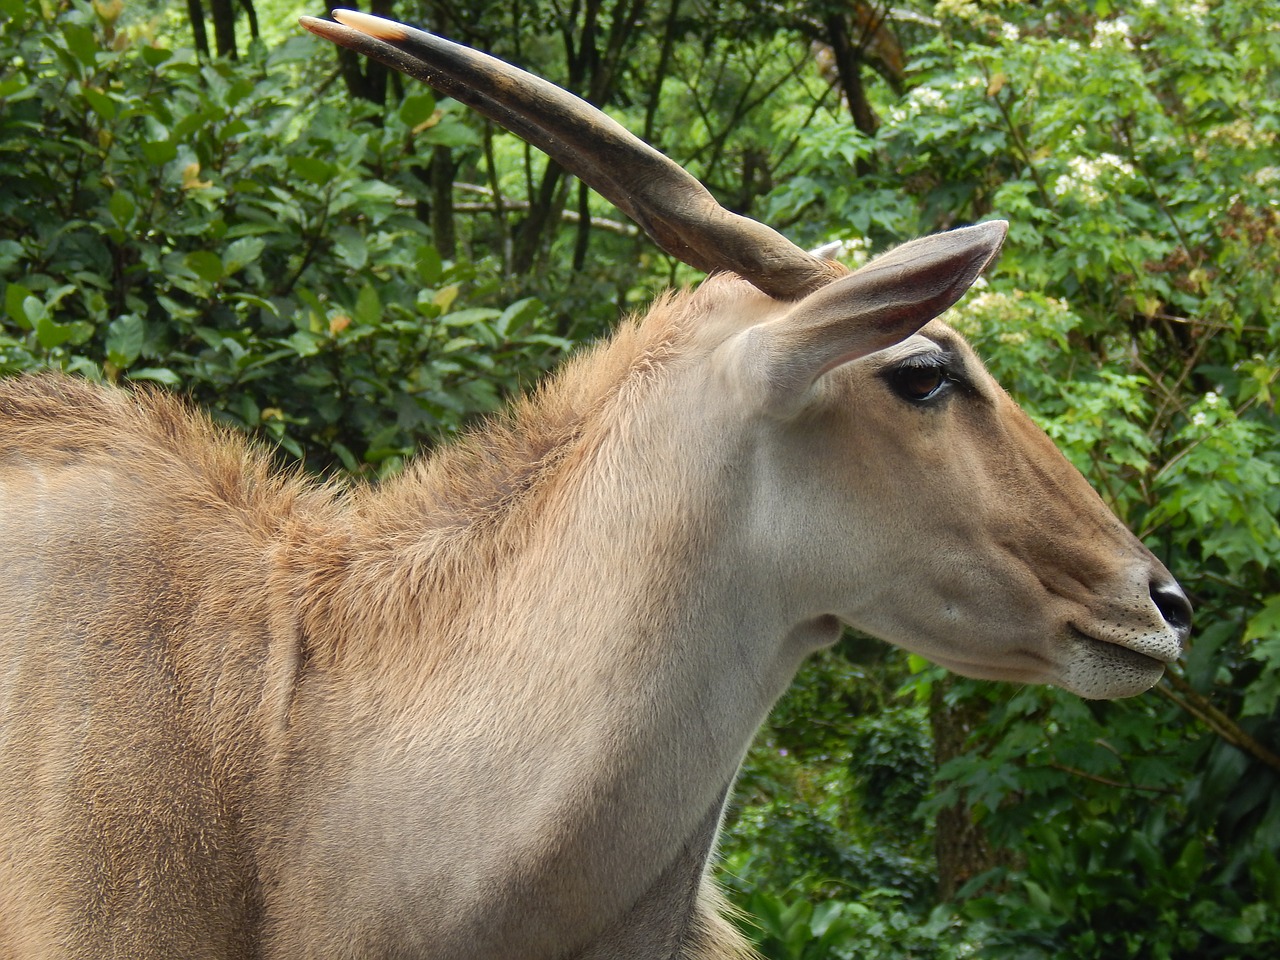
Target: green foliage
1136,314
879,924
1121,854
215,227
839,772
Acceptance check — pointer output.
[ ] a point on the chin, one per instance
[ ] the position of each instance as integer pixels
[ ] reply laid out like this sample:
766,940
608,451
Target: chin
1104,671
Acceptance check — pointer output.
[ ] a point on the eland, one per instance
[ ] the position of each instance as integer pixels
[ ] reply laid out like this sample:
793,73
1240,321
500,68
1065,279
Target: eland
493,707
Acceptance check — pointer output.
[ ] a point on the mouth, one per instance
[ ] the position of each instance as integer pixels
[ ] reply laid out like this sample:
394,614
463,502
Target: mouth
1153,653
1106,670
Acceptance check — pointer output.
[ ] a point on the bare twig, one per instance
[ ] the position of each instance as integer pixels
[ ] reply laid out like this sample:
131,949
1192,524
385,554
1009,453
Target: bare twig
1110,783
1203,710
568,216
1002,104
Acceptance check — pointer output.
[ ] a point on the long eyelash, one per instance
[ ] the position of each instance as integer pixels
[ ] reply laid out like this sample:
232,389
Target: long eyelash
926,361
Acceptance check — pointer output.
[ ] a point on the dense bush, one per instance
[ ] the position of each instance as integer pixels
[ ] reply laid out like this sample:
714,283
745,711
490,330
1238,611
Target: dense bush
214,227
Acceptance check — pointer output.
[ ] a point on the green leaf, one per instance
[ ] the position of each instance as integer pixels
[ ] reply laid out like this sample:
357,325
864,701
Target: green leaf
52,334
101,103
154,56
1263,632
464,318
205,264
21,306
193,121
159,152
241,252
10,253
1265,625
368,306
350,246
305,343
455,344
1039,899
81,42
516,316
450,132
1190,864
312,169
259,303
156,374
122,208
430,265
125,337
416,108
346,457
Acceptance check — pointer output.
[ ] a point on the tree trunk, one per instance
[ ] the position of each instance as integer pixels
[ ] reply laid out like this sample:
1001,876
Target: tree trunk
224,27
251,14
443,232
365,79
849,62
961,846
592,73
195,13
583,236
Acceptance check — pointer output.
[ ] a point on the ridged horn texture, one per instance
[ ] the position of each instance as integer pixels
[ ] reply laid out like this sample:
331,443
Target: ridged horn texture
657,193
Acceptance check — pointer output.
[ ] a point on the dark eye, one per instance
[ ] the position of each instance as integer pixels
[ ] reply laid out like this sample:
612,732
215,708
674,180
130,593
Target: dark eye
919,378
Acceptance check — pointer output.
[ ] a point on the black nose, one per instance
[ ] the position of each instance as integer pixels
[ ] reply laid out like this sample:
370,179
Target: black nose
1173,606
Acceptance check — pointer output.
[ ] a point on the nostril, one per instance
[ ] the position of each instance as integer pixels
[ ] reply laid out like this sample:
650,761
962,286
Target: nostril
1173,606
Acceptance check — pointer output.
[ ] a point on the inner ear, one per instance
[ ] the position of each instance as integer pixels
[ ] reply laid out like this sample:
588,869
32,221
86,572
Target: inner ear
873,308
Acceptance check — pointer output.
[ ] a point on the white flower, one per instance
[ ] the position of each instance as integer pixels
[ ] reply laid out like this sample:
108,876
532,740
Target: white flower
1111,33
964,9
1211,398
1082,189
1122,167
928,98
1198,419
1083,173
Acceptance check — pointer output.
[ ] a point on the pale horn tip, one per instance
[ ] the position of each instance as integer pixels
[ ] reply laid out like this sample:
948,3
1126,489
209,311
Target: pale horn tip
376,27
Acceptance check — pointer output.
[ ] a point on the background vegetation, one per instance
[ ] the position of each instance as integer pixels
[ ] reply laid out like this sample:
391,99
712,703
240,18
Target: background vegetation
351,270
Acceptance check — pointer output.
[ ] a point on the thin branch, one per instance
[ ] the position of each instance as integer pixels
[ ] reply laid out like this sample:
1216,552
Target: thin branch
1185,451
1111,783
313,245
1002,104
1203,710
499,202
664,65
1127,137
818,104
1215,326
567,216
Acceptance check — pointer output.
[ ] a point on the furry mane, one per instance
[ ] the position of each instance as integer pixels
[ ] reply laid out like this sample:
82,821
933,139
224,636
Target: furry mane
481,477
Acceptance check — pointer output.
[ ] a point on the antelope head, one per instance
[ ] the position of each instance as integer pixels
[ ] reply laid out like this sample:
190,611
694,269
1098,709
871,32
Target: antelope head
896,487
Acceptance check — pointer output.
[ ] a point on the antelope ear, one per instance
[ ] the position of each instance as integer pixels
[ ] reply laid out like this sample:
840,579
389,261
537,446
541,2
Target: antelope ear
875,307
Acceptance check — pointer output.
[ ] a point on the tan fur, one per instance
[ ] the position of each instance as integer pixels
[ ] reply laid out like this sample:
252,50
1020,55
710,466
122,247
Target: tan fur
491,708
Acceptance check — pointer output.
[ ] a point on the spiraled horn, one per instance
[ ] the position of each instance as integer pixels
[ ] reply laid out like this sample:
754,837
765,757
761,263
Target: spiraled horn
664,199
